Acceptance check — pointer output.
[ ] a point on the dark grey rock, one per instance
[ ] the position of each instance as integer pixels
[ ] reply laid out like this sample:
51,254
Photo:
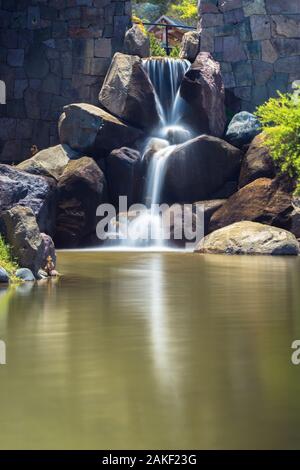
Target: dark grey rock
242,129
25,274
4,276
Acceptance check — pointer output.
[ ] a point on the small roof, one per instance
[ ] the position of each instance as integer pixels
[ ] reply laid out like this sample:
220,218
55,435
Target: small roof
170,21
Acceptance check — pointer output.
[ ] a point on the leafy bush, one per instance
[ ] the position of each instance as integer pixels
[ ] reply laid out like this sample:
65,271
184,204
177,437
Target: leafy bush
175,52
156,50
6,259
280,118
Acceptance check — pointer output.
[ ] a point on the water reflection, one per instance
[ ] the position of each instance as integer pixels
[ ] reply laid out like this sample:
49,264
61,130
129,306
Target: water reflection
153,350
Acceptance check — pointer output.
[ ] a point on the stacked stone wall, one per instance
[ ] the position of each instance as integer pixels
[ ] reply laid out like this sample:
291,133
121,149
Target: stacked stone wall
257,43
52,53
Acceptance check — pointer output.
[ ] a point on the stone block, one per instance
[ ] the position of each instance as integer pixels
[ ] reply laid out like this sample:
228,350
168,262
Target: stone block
20,87
11,151
15,57
244,92
279,82
51,84
99,66
67,65
15,109
7,128
269,53
33,17
244,30
260,27
83,48
287,47
103,47
262,72
36,63
219,44
242,73
9,38
229,80
259,94
24,128
228,5
234,16
254,7
32,103
207,42
286,26
212,19
233,49
253,50
282,6
60,29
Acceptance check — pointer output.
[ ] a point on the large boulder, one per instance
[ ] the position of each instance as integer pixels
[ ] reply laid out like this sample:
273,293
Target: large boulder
36,192
257,162
203,89
128,93
208,207
49,162
124,175
49,249
137,42
198,168
249,238
4,276
190,45
92,131
81,188
242,129
23,235
294,223
263,200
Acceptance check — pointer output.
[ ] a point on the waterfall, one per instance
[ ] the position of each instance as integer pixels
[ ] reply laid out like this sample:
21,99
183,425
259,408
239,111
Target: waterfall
166,75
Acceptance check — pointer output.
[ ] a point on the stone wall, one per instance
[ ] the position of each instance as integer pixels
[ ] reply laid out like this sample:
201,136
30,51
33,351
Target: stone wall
52,53
257,43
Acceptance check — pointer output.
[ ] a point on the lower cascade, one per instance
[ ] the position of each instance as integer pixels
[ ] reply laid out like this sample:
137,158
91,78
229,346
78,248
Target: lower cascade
146,229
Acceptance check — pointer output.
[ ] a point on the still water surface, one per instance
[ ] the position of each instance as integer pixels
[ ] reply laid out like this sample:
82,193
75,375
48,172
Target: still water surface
153,350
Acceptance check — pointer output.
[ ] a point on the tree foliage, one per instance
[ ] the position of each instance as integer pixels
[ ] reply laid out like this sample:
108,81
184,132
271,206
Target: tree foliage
280,118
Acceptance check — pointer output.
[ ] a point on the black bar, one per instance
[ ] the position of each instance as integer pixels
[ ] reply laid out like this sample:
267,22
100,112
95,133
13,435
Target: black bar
164,24
137,458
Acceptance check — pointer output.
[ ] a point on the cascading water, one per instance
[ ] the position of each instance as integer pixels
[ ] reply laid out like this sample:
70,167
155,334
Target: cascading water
166,75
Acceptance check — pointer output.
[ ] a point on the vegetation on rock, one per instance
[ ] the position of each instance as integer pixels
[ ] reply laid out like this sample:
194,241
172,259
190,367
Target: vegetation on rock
280,118
7,261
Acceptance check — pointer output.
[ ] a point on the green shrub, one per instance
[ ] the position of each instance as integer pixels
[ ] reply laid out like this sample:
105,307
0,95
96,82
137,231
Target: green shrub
156,50
175,52
280,119
6,259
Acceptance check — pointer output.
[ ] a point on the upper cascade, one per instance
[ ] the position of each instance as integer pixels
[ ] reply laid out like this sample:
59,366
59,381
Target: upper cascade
166,75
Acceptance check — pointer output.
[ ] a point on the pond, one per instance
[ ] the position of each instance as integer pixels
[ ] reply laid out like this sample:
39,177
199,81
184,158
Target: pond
149,350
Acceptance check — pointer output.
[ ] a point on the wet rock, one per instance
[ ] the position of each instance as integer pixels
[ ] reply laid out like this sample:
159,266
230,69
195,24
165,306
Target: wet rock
81,188
137,42
180,224
242,129
128,93
49,249
263,200
257,163
49,162
198,168
92,131
36,192
124,175
4,276
209,208
190,45
203,90
249,238
22,234
25,274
